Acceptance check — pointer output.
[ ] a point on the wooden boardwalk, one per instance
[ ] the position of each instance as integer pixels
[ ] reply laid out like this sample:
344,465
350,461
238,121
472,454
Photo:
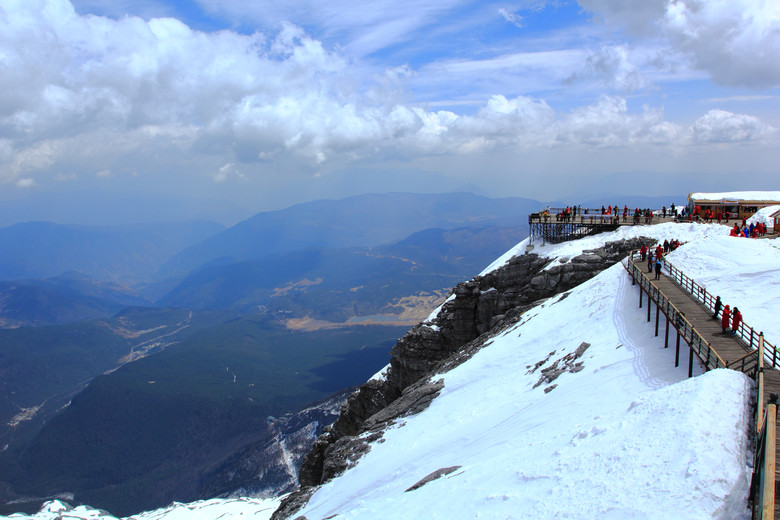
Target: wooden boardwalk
729,348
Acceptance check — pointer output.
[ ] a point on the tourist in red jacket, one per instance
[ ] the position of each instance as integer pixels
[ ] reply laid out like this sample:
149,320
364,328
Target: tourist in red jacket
735,321
724,322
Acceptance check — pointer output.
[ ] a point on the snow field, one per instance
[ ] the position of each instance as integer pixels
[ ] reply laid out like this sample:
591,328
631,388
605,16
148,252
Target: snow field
628,436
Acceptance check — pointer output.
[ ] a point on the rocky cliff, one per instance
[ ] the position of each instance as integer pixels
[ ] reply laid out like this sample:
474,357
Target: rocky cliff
475,311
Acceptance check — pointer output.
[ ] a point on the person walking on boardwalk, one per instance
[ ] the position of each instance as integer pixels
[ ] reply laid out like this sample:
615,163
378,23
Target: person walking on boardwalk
643,252
650,262
724,322
718,305
735,321
658,268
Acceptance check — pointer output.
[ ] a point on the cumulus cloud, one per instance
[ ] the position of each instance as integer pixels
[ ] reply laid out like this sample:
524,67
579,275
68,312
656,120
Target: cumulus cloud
736,41
610,66
92,94
720,126
608,123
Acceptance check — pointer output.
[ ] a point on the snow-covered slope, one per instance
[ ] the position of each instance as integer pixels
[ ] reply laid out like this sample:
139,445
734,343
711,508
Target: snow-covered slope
620,433
626,436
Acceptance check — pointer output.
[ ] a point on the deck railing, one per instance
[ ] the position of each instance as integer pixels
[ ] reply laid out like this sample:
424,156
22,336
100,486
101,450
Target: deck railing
698,344
745,332
752,363
764,475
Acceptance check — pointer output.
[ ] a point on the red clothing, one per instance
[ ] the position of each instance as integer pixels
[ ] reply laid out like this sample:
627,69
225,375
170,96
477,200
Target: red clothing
724,322
736,320
659,251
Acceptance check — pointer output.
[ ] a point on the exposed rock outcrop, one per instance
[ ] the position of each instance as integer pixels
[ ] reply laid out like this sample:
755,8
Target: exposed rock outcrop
480,309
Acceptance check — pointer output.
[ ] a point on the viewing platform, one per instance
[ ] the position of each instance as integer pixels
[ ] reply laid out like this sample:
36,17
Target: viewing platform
554,225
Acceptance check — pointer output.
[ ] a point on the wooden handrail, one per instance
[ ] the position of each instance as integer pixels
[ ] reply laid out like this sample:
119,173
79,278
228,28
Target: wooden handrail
766,464
711,358
763,490
745,332
743,358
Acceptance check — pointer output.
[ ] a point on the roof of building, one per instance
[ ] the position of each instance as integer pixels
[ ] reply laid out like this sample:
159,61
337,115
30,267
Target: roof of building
753,196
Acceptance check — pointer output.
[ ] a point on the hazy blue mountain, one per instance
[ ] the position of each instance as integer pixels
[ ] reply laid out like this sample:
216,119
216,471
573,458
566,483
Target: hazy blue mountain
146,433
68,298
360,221
336,284
128,254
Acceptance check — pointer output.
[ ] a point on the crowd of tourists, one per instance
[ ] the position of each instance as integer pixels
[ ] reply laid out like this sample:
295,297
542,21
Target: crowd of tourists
655,256
611,213
730,319
754,230
709,216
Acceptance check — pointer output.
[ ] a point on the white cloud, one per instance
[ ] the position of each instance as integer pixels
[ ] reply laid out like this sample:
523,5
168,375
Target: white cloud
608,123
25,183
361,27
226,171
720,126
513,18
611,66
91,94
103,174
736,41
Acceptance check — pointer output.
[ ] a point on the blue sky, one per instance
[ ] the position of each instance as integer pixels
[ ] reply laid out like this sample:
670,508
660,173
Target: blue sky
229,107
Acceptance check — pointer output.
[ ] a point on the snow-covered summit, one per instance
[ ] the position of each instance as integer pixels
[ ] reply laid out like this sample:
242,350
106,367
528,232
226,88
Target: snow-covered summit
575,411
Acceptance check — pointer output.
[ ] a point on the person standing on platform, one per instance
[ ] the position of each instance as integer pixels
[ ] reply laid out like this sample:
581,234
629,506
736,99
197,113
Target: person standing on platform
650,262
658,268
724,322
718,305
735,321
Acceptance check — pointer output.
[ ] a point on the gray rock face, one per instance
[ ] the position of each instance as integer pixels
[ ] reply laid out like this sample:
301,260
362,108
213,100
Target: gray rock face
482,307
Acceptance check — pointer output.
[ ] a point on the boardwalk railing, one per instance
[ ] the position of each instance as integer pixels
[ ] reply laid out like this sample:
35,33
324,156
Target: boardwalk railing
763,482
764,476
698,344
747,333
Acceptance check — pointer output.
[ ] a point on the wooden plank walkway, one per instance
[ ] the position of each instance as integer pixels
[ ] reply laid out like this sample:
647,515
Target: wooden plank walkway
727,346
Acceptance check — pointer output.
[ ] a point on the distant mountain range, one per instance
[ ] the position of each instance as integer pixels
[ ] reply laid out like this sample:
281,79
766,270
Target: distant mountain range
126,254
67,298
339,284
360,221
